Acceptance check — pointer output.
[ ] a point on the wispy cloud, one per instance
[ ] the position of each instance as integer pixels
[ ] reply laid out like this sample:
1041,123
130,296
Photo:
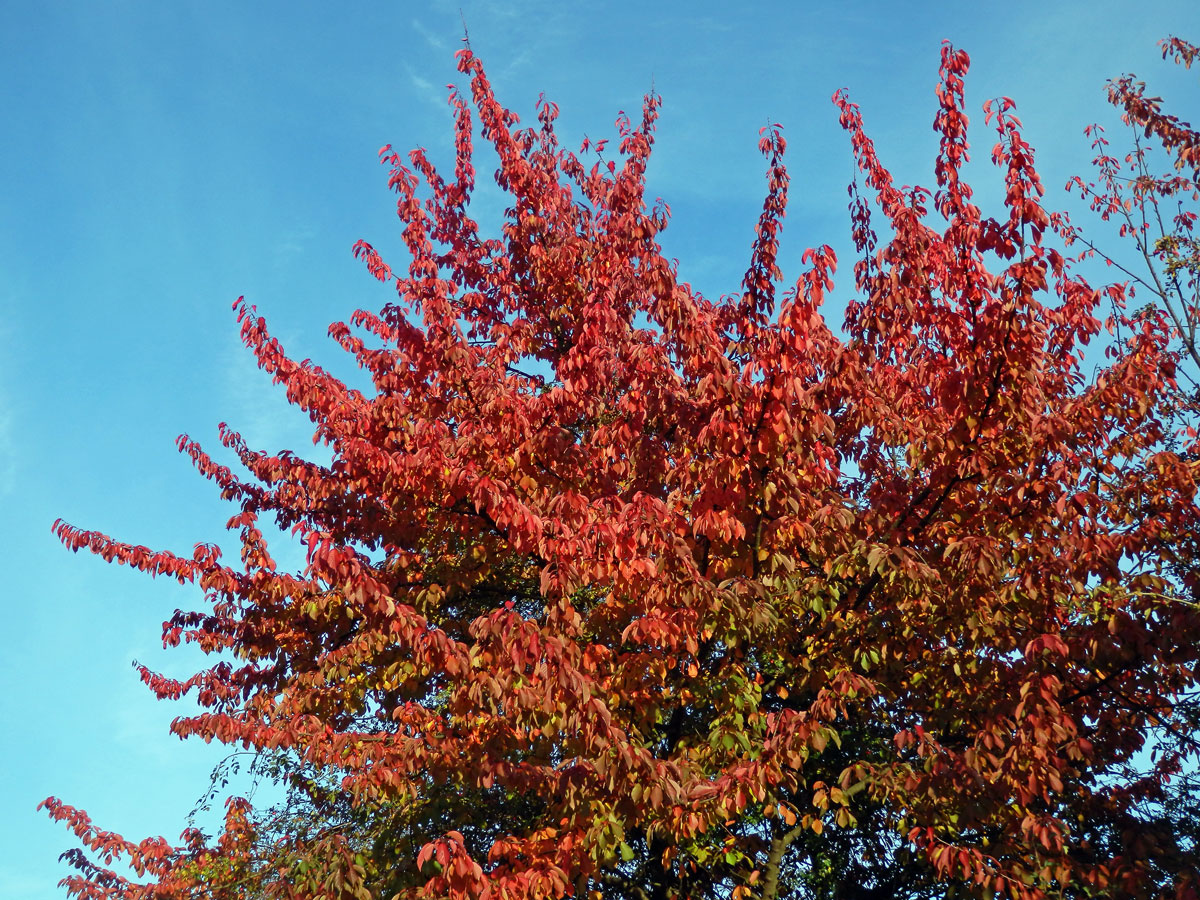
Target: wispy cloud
518,62
290,249
426,90
428,35
259,409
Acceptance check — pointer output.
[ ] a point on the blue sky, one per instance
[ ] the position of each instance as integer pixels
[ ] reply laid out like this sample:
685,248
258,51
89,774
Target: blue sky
161,159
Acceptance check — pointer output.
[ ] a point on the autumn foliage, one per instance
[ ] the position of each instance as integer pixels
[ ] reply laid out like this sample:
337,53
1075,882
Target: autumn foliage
1155,202
616,590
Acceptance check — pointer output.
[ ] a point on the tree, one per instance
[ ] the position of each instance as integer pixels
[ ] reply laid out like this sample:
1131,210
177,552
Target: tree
1156,210
613,590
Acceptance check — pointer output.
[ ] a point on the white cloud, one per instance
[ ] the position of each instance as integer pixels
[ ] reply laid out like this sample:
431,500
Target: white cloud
259,410
426,90
430,38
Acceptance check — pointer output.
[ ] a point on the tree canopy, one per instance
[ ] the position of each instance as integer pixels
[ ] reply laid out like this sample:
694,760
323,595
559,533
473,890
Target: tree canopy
615,590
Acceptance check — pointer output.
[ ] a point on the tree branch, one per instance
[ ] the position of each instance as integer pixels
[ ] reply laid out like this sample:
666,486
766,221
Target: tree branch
775,861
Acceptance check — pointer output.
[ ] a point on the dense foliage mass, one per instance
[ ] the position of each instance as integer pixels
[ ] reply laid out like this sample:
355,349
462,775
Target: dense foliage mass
613,590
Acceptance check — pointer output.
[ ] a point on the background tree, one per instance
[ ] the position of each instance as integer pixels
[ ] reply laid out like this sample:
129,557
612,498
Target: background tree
613,589
1152,193
1155,209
